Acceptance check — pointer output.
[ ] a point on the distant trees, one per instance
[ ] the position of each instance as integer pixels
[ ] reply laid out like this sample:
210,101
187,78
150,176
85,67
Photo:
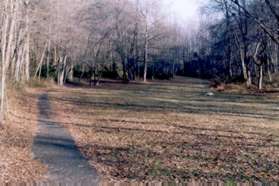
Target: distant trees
125,34
63,39
134,39
243,42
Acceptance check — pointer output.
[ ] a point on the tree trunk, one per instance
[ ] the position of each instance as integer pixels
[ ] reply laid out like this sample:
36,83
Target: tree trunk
48,59
249,79
27,58
8,32
61,78
39,67
230,69
145,70
269,72
260,77
246,72
27,49
3,51
145,52
244,69
18,64
71,73
124,66
275,58
55,56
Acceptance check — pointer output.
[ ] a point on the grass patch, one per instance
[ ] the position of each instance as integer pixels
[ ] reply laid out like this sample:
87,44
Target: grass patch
44,83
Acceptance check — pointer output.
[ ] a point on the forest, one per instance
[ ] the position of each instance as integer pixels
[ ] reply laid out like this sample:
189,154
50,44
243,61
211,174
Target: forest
132,57
132,40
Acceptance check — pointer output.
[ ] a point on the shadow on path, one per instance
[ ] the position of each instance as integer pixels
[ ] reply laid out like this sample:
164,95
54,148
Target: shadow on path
55,147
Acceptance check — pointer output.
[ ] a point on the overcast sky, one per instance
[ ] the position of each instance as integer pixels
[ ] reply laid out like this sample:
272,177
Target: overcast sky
186,11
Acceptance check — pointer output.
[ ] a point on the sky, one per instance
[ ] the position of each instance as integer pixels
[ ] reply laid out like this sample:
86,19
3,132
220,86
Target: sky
186,11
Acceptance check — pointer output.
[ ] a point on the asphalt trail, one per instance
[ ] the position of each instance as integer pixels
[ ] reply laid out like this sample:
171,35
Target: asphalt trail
55,147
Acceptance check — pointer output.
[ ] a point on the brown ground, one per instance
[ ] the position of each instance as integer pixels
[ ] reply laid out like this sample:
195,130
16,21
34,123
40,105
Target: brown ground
166,131
16,137
172,131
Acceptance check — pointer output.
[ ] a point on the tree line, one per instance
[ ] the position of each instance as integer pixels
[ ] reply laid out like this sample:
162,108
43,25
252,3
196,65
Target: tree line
66,39
242,44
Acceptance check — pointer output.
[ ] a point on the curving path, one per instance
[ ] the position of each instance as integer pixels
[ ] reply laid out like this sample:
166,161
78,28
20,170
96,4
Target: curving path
55,147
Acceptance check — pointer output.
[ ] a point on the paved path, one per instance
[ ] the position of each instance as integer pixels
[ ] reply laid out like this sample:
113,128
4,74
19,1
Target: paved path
55,147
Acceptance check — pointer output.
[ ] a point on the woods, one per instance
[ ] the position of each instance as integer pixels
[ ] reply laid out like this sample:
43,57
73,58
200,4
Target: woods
136,40
15,44
126,90
93,39
244,42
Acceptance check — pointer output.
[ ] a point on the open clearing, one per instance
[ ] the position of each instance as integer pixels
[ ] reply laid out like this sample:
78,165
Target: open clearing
169,131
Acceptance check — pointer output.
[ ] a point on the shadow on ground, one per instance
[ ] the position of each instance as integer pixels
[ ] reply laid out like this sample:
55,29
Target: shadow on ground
55,148
145,131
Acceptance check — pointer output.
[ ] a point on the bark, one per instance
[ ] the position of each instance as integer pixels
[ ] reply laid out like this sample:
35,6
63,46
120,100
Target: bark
3,51
228,50
39,67
19,64
275,58
27,58
19,56
48,58
245,70
269,72
8,32
124,66
145,53
55,56
61,77
27,49
260,64
71,72
260,86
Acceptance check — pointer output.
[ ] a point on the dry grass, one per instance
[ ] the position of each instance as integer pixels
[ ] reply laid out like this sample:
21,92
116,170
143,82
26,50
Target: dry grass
16,136
166,131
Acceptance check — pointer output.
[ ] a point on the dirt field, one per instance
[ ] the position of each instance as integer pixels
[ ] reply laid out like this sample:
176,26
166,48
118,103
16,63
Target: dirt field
166,131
